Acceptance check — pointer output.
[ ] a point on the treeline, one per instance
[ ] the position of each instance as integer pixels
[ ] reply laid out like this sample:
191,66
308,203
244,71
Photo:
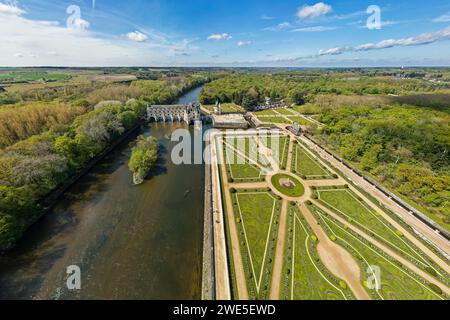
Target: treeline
32,168
299,87
22,122
405,147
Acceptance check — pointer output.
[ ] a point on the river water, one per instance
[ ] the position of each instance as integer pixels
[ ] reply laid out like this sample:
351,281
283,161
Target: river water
130,242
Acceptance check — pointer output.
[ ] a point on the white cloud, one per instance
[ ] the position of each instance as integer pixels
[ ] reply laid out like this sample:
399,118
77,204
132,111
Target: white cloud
314,29
424,38
79,24
443,18
137,36
223,36
28,42
315,11
266,17
243,43
10,9
281,26
48,23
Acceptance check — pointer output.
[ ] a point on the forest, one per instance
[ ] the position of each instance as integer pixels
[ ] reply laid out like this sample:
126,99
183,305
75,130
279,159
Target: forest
43,143
299,87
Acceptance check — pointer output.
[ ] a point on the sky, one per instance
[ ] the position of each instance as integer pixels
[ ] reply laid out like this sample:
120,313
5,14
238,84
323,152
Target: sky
287,33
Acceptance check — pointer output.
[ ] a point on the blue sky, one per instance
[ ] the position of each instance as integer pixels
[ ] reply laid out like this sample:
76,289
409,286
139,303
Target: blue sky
223,33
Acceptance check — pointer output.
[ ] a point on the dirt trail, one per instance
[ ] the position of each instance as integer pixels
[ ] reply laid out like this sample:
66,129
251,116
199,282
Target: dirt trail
338,260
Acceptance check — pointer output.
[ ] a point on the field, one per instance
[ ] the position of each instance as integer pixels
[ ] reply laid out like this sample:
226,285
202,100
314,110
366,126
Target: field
306,166
302,121
285,111
274,119
304,276
226,108
257,219
12,77
280,154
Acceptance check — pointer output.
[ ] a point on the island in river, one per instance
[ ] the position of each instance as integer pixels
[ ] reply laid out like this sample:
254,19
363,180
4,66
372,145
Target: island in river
143,158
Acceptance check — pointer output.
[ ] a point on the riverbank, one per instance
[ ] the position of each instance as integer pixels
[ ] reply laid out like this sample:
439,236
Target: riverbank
129,241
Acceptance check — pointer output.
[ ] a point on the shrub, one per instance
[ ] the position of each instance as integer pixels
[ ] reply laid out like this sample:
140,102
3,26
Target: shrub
342,284
232,190
399,233
435,288
431,271
308,202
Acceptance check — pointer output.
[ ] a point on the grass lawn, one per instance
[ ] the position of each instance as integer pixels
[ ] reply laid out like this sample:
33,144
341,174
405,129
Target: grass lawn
257,220
239,168
297,189
306,165
395,282
279,145
304,275
247,146
275,119
302,121
265,113
285,111
226,107
345,203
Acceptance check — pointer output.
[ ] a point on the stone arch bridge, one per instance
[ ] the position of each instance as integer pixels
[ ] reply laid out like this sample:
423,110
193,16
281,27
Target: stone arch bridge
187,113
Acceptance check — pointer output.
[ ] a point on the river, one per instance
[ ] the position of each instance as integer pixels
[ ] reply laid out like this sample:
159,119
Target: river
130,242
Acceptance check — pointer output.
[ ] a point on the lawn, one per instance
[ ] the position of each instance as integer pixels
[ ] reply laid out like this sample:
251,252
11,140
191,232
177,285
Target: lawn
265,113
226,107
302,121
248,147
256,215
345,203
239,169
306,166
394,281
285,111
297,189
275,119
279,145
304,275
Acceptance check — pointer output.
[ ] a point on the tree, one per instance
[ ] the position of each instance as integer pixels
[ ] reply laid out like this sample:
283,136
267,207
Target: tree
143,158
